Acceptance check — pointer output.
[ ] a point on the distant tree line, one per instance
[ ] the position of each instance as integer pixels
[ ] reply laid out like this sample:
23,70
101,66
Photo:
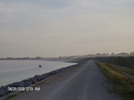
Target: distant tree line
23,58
68,57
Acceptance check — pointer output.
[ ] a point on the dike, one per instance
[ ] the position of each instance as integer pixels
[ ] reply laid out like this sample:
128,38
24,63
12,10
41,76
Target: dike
33,80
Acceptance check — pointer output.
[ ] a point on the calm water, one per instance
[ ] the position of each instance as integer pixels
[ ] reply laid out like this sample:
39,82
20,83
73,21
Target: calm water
17,70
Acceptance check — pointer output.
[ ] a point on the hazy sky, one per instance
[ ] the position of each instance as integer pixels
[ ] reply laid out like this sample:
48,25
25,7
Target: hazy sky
65,27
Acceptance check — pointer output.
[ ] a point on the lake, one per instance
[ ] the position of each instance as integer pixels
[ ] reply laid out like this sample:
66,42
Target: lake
17,70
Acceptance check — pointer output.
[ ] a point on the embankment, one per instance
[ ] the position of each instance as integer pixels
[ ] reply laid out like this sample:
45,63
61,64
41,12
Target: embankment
118,60
123,84
33,80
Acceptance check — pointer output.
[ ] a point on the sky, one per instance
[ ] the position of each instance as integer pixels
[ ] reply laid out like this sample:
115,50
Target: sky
51,28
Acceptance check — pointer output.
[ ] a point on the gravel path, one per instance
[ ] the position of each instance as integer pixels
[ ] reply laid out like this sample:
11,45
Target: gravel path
81,83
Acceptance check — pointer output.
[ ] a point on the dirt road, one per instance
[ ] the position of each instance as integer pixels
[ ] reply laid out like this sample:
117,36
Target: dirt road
82,83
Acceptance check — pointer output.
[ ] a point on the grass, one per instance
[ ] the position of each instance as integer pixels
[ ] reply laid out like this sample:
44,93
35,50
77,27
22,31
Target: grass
122,84
10,97
127,70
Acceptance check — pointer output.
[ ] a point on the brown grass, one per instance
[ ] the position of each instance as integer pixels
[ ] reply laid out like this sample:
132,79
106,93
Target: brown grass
123,84
129,71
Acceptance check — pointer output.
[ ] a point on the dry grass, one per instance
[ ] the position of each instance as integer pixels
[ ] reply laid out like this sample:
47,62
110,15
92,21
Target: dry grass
123,84
10,97
129,71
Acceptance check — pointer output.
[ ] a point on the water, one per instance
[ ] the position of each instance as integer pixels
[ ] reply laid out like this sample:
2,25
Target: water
17,70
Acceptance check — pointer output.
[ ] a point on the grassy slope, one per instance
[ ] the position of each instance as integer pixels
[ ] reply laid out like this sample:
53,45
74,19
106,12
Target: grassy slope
123,84
121,61
129,71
